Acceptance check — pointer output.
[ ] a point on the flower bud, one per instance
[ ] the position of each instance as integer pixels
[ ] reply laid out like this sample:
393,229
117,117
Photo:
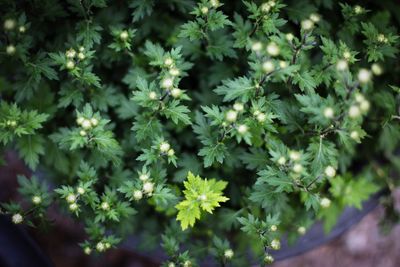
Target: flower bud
70,65
168,61
167,83
341,65
307,24
17,218
86,124
268,259
36,200
82,133
9,24
176,92
81,190
238,107
325,202
275,244
73,207
301,230
354,111
137,195
273,228
294,155
105,206
256,47
10,50
242,128
100,247
261,117
124,35
231,116
273,49
71,198
148,187
144,177
94,121
228,254
268,66
282,161
164,147
376,69
364,76
297,168
171,152
330,171
354,135
329,113
153,95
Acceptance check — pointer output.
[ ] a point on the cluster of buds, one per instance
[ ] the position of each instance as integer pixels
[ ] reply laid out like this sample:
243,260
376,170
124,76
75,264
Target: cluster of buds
295,157
358,10
11,123
382,38
72,199
86,124
266,7
147,186
268,259
11,25
74,57
360,106
102,246
308,24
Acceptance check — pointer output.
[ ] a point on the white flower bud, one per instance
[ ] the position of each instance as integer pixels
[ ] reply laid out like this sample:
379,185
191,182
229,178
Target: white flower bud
124,35
238,107
282,161
148,187
13,123
73,207
325,202
137,195
174,72
153,95
80,120
228,254
86,124
164,147
10,50
105,206
71,198
82,133
294,155
231,116
17,218
346,55
214,3
268,259
297,168
307,24
204,10
359,97
70,53
273,228
81,49
315,17
354,111
87,250
341,65
168,61
268,66
70,65
176,92
81,56
9,24
364,105
187,263
261,117
94,121
275,244
382,38
330,171
171,152
329,112
355,135
358,9
22,29
289,36
376,69
144,177
167,83
81,190
265,7
100,247
171,264
364,76
36,200
301,230
242,129
257,46
283,64
273,49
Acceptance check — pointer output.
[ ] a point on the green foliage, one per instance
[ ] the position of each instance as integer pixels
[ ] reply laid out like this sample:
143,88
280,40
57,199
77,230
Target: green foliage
200,194
294,103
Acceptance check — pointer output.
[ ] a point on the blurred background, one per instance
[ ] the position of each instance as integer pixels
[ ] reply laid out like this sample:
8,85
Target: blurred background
363,245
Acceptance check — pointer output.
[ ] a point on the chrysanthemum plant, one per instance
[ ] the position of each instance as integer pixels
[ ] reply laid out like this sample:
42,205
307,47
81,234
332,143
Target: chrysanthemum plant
289,108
